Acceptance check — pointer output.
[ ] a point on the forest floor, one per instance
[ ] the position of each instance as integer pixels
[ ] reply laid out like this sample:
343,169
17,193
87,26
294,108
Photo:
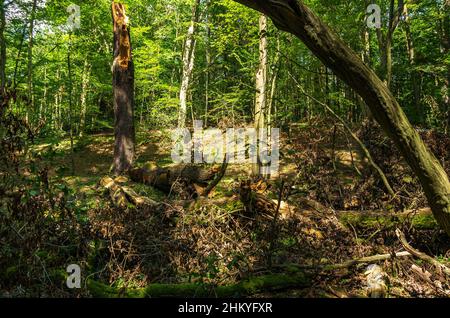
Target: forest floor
212,241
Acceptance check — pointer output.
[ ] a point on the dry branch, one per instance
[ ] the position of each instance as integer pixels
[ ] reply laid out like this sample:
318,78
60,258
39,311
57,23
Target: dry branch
441,267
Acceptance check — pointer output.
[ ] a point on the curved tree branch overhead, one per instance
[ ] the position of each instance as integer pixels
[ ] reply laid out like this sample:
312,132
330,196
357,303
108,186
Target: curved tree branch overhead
295,17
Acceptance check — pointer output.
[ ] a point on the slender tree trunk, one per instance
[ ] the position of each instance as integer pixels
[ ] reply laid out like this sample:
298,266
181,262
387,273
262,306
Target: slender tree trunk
19,53
208,63
2,47
261,86
30,101
123,92
83,96
188,64
295,17
43,105
445,48
70,89
415,77
54,113
273,85
366,55
385,40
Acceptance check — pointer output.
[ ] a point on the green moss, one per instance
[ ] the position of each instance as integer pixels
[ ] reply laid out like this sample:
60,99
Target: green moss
233,205
362,220
245,288
424,222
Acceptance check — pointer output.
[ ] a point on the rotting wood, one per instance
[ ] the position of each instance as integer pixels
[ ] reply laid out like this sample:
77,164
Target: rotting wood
123,197
165,178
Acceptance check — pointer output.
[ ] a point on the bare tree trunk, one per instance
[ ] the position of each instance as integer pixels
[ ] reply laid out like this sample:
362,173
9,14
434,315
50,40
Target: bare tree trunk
295,17
2,47
385,40
445,39
70,89
43,104
208,63
30,61
188,65
415,77
261,85
123,90
273,85
84,91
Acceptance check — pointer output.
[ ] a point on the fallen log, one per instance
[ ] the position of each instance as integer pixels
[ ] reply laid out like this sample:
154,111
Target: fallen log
164,179
420,219
122,196
251,286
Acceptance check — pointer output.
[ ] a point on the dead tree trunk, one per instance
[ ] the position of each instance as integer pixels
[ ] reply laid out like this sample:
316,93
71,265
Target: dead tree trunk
188,64
164,179
123,92
261,86
295,17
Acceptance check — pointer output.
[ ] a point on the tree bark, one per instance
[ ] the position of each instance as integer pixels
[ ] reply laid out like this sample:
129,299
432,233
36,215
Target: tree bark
415,77
208,61
123,91
188,64
385,40
295,17
445,48
2,47
30,60
261,86
83,97
165,178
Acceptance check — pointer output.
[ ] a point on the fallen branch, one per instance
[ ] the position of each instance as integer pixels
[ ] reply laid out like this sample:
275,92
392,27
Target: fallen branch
349,263
366,260
440,267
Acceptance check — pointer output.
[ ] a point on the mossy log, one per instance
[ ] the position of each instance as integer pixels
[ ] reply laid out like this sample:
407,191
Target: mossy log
247,287
164,178
420,219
